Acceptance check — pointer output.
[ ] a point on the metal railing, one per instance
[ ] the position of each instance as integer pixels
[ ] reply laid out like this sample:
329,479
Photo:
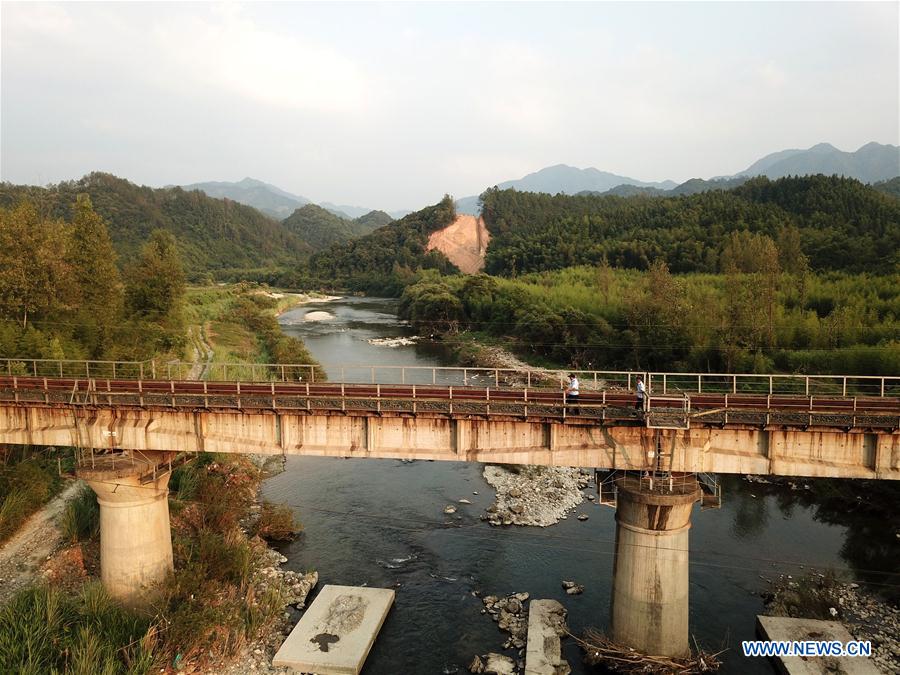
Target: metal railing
660,383
661,412
654,480
126,370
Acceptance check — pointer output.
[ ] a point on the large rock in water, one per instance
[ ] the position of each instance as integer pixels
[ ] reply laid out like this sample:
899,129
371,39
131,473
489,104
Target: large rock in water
498,664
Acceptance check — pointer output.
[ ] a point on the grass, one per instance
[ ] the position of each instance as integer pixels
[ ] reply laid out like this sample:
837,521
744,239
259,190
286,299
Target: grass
43,630
81,519
241,327
217,599
231,342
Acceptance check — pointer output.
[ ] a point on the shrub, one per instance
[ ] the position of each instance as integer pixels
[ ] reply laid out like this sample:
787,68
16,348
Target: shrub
184,481
225,557
276,523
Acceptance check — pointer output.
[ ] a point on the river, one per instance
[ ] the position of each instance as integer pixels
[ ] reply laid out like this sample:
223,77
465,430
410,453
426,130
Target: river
381,523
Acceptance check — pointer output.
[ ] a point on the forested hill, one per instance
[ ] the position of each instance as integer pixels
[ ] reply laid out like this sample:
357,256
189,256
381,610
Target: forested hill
212,234
838,223
374,219
271,200
320,228
373,262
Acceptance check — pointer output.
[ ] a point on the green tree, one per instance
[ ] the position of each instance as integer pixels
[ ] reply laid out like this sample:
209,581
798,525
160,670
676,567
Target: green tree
658,317
477,293
35,276
156,283
604,278
432,306
97,279
790,251
755,256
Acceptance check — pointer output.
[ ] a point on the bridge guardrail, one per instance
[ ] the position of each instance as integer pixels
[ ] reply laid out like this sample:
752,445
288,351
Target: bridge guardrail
659,411
660,383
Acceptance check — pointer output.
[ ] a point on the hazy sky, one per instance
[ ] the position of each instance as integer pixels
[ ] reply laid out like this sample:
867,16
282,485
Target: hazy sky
391,105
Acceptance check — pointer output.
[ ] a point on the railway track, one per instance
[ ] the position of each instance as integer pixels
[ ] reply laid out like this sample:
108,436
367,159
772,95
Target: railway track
698,408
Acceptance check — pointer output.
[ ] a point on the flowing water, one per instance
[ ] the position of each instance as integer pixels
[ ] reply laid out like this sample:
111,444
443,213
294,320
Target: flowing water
381,523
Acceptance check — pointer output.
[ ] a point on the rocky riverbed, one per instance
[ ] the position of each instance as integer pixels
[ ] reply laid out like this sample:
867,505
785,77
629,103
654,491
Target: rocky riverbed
865,615
534,495
511,614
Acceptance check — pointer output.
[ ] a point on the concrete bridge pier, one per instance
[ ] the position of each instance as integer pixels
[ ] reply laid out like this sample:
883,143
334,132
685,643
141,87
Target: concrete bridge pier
650,572
135,535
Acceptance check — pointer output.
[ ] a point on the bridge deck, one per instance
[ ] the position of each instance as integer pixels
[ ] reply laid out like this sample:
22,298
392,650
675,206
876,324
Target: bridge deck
870,412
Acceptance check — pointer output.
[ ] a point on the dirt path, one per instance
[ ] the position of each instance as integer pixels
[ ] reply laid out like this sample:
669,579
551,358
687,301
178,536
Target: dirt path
22,556
203,352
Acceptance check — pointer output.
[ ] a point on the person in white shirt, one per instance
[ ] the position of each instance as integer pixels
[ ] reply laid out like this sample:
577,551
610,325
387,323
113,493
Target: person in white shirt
639,403
571,395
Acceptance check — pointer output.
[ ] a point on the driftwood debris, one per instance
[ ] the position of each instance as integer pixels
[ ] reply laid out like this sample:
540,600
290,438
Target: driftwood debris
599,649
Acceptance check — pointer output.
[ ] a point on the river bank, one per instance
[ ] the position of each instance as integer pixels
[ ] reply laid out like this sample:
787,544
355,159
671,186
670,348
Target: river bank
226,598
294,587
866,616
468,350
228,587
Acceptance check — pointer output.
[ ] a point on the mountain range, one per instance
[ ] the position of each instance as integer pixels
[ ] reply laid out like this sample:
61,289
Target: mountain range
265,197
565,179
213,234
275,202
872,163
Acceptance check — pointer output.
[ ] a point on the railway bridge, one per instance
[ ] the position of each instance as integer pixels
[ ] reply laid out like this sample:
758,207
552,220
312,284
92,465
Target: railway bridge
131,422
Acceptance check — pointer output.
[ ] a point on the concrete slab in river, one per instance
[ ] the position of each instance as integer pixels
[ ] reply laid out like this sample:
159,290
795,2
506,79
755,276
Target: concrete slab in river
546,623
335,634
801,630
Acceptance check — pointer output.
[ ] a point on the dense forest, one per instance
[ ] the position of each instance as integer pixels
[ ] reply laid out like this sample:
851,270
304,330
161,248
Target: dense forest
689,187
321,228
838,224
212,235
63,296
778,273
602,318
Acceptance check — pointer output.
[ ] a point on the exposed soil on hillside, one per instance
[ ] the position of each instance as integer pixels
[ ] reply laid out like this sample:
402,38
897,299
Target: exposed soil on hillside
464,242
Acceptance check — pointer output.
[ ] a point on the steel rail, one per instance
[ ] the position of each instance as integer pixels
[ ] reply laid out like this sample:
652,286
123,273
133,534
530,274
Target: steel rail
678,411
